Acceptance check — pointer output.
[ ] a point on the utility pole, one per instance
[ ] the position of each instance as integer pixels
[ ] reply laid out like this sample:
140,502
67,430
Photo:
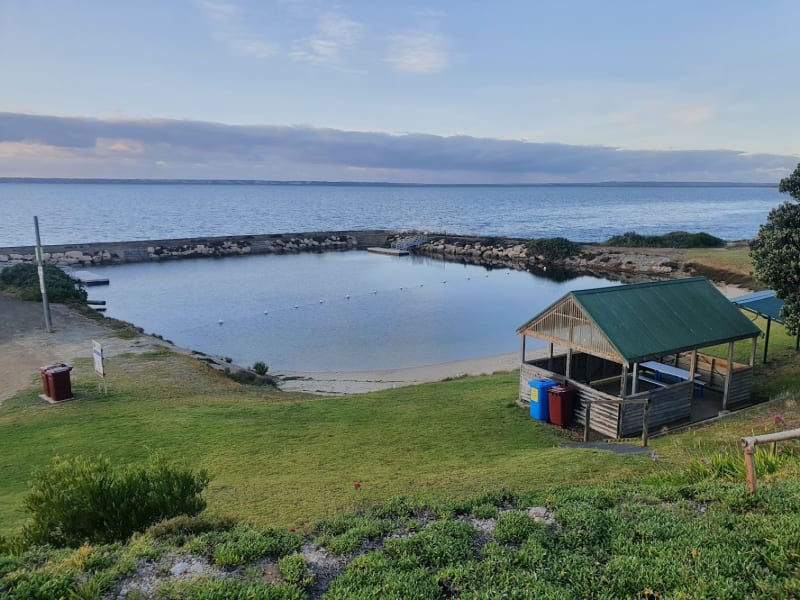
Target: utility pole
40,268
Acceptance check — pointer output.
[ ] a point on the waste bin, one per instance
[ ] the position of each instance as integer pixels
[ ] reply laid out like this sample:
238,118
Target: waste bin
562,404
47,381
56,382
539,402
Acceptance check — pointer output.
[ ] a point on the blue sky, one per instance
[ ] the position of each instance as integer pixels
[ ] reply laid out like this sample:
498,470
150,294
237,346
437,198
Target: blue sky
461,91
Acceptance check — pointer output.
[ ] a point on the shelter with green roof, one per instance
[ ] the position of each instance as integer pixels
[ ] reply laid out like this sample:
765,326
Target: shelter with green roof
632,352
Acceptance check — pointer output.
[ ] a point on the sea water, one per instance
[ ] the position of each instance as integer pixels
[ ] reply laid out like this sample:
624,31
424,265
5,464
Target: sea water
347,311
81,213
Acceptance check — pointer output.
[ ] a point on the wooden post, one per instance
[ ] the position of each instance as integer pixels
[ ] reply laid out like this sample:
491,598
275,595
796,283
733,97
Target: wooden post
753,352
623,385
766,339
635,381
522,351
728,377
568,368
750,467
587,416
692,364
550,358
645,409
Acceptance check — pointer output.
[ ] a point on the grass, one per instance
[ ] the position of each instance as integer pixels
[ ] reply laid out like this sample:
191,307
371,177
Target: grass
290,459
732,264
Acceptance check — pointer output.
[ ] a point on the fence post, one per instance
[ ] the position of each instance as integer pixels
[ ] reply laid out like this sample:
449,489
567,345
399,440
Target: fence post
586,423
645,408
750,467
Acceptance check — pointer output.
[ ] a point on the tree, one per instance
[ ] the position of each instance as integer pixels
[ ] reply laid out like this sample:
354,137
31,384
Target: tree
791,184
776,252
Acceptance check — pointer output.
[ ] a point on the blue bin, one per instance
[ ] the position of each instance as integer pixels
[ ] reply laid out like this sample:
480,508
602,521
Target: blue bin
540,406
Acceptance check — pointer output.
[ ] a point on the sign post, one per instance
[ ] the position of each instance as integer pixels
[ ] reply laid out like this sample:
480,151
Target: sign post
99,367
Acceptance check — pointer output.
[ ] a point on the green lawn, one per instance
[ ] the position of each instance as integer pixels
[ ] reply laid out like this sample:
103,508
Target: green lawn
290,459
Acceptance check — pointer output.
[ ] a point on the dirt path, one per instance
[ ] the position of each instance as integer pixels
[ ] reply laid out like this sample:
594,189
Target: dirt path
25,345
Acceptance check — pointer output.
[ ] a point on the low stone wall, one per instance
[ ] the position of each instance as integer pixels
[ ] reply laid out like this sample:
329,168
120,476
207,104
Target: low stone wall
514,253
102,253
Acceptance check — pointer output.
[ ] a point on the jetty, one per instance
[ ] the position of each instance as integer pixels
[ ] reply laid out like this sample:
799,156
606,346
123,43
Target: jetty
389,251
87,278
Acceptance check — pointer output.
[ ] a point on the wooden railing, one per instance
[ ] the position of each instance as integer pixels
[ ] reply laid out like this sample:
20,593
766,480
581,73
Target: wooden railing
749,445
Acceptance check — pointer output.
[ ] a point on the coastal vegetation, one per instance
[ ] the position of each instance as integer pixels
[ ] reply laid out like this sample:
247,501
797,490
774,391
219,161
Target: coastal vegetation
674,239
22,280
776,251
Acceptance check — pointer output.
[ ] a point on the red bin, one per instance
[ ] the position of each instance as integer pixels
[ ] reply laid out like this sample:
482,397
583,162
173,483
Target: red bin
47,381
60,384
562,405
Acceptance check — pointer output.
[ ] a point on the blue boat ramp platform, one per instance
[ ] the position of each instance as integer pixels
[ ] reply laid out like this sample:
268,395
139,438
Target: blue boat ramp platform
389,251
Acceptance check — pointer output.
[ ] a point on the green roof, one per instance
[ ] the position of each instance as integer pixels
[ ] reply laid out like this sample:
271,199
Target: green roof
645,320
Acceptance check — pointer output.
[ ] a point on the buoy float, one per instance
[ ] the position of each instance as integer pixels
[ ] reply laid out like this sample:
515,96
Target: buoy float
220,322
348,296
266,312
321,301
296,306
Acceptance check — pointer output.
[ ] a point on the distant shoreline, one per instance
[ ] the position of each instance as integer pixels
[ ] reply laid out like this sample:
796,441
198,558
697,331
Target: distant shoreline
266,182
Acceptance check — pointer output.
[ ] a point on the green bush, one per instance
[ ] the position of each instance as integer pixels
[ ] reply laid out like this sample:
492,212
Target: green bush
260,367
245,543
556,248
22,280
227,589
440,544
79,499
674,239
294,570
514,527
345,534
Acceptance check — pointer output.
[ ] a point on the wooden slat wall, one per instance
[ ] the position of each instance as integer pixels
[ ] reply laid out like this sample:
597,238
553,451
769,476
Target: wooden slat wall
529,371
741,386
667,405
604,417
714,371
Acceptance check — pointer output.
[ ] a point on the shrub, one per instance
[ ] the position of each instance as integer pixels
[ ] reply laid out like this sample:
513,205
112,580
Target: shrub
227,589
346,533
245,543
76,500
260,367
674,239
294,570
22,280
440,544
373,576
514,527
556,248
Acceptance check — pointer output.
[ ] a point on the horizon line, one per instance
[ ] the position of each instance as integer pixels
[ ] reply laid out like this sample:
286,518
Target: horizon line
192,181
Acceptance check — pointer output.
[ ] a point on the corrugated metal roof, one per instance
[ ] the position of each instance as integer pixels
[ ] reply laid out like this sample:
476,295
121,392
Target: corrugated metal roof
652,319
766,304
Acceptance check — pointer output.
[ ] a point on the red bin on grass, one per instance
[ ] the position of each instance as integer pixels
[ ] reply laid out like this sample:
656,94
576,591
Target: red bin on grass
56,383
562,404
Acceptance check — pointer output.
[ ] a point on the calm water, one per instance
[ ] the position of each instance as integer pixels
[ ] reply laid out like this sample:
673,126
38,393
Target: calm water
402,311
74,213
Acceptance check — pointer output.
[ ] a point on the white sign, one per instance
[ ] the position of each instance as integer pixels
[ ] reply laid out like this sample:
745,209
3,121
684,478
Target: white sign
97,354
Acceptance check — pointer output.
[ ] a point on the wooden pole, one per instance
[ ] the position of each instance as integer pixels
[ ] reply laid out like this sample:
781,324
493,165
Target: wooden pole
645,409
40,269
692,364
750,467
623,385
522,350
753,352
635,381
728,377
586,425
568,368
766,339
550,358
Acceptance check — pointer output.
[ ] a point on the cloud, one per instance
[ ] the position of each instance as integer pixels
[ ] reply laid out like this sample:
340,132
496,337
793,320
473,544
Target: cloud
232,33
334,32
418,52
217,150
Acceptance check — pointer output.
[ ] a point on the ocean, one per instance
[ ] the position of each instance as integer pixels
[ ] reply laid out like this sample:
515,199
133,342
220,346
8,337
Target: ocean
97,212
351,310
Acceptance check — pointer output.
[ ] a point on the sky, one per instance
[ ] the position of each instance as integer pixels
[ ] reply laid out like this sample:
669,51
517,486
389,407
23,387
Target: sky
462,91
